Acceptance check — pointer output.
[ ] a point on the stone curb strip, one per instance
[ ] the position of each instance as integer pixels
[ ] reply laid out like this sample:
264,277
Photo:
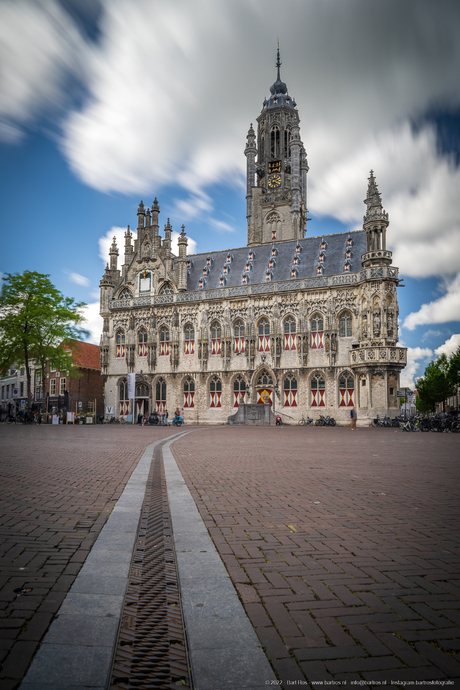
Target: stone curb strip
77,651
224,650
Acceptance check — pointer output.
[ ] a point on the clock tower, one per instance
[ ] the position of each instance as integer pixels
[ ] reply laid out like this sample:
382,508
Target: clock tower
276,171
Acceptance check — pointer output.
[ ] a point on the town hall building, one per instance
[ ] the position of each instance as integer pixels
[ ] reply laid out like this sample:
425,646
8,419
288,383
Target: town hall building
306,324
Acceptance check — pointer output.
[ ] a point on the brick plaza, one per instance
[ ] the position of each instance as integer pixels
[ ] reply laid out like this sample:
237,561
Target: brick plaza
343,547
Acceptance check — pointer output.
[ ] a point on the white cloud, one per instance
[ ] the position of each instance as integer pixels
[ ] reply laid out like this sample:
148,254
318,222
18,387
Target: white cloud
442,310
93,322
431,334
191,245
417,357
450,346
78,279
39,46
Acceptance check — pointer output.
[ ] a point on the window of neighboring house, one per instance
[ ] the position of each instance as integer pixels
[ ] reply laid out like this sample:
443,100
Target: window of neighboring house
62,387
52,386
22,371
21,389
91,407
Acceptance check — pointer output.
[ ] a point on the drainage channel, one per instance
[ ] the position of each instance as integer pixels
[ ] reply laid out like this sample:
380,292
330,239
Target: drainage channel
152,650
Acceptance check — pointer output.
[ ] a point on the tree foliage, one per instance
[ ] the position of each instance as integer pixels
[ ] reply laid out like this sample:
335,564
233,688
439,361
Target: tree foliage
438,382
36,322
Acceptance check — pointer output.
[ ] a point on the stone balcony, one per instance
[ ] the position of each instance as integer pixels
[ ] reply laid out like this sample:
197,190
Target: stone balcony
377,257
381,354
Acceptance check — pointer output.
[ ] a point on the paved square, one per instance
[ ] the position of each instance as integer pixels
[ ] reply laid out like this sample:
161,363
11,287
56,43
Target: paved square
344,547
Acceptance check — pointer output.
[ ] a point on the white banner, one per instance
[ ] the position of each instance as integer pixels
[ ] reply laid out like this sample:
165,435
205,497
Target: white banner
131,385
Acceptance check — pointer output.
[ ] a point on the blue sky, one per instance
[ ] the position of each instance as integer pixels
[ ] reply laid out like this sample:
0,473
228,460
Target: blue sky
104,103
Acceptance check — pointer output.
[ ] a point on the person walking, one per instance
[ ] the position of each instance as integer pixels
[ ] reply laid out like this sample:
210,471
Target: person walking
354,417
166,417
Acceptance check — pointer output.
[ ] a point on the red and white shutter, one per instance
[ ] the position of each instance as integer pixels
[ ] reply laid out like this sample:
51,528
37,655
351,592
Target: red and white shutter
215,400
239,345
164,349
120,351
289,342
215,346
290,398
188,400
237,396
346,397
264,343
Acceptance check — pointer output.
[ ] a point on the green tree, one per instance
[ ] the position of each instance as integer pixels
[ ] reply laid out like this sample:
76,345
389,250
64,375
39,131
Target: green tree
435,386
36,322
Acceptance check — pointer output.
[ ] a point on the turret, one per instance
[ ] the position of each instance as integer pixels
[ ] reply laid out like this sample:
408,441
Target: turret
250,153
155,226
140,223
375,223
167,246
182,261
113,253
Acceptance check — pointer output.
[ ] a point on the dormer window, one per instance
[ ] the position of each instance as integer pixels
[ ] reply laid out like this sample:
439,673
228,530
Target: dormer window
323,245
222,282
189,264
251,256
228,259
201,283
268,276
208,261
296,261
294,273
225,270
245,280
298,249
322,257
319,270
205,271
274,251
348,254
273,234
349,242
247,267
347,267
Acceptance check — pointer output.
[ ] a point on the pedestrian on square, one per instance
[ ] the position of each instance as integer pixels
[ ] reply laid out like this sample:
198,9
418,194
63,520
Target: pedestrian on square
182,414
166,417
354,417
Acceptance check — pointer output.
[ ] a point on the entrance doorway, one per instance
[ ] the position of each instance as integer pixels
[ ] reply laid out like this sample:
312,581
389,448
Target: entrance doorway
264,388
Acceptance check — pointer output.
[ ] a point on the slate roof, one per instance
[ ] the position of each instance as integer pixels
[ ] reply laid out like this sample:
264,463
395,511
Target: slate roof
334,260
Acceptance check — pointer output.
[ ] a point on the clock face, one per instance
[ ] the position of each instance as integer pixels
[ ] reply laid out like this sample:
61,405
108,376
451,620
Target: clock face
274,181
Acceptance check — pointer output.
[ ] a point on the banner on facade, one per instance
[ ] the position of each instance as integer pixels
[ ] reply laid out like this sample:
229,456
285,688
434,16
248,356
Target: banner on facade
131,385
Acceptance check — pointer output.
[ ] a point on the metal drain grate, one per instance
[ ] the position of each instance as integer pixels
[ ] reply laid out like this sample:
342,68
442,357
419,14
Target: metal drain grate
151,651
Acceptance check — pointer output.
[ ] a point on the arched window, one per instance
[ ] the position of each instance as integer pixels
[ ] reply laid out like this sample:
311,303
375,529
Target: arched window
318,390
160,395
189,392
121,351
317,332
264,335
289,333
124,402
164,341
124,294
142,344
264,388
287,141
275,142
142,390
273,222
215,338
346,325
346,390
238,332
166,289
189,339
215,392
290,391
239,391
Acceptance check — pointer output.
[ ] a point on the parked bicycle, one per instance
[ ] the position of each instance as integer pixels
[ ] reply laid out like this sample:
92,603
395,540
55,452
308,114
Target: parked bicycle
305,422
325,421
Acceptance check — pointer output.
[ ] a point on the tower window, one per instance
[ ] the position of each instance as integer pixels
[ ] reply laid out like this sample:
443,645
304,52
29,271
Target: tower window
275,141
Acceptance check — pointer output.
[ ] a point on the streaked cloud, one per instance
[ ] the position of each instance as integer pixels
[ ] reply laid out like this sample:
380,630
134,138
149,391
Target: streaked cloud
441,310
450,346
78,279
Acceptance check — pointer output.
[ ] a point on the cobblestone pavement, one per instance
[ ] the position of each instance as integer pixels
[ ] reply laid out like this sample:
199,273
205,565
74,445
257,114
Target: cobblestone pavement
58,485
344,547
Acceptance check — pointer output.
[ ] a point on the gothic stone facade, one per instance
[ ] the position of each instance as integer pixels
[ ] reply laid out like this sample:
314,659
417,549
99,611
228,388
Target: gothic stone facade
308,324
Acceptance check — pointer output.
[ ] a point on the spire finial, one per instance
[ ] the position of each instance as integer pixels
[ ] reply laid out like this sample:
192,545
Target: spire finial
278,62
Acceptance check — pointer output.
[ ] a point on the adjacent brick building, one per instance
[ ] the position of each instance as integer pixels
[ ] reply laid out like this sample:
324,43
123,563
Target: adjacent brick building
83,393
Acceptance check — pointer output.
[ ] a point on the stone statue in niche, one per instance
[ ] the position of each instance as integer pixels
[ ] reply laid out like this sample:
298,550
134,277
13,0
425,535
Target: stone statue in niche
376,324
390,324
327,342
334,342
205,349
364,328
200,350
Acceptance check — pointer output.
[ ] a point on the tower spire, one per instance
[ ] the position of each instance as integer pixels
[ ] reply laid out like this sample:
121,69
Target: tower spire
278,63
